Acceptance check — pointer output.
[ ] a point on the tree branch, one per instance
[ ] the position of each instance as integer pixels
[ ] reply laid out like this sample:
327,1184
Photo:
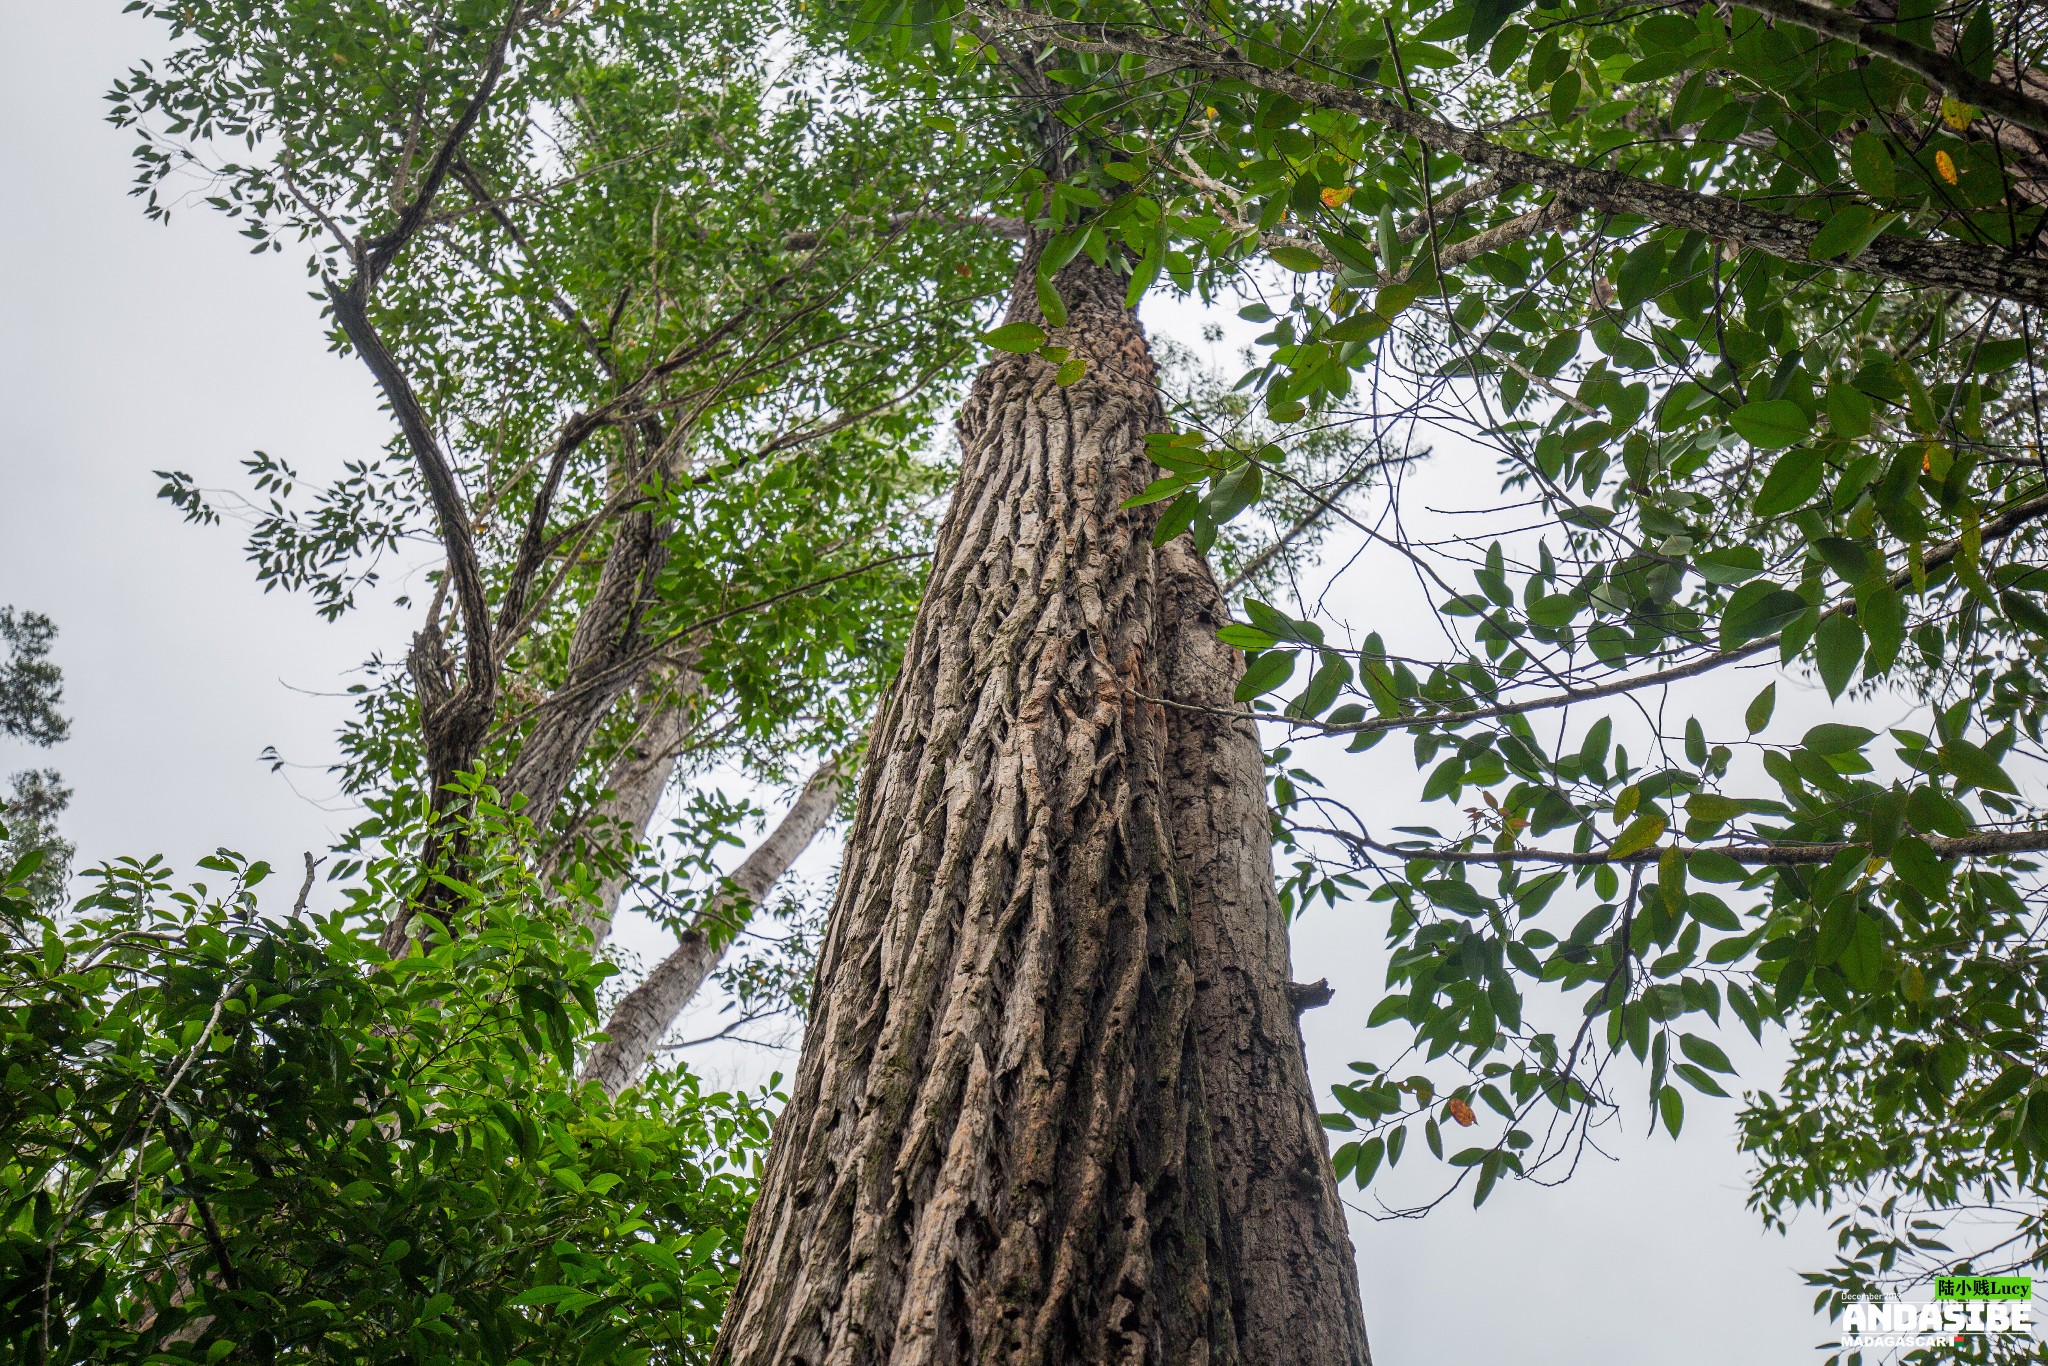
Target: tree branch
1989,843
647,1012
374,257
2018,515
449,511
1921,262
1945,71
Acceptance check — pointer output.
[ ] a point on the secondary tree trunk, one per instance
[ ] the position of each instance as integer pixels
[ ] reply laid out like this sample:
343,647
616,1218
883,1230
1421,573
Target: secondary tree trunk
646,1012
639,777
606,659
1052,1106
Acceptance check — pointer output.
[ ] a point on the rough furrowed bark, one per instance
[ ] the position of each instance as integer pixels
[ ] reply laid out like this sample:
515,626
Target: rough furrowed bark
644,1015
1052,1106
606,639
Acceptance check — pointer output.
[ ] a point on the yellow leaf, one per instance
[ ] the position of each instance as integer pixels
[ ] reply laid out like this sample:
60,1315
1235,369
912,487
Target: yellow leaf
1640,835
1956,114
1945,165
1462,1112
1335,195
1914,984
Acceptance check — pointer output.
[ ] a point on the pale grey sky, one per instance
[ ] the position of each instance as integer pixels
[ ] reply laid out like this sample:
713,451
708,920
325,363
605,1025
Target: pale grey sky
128,347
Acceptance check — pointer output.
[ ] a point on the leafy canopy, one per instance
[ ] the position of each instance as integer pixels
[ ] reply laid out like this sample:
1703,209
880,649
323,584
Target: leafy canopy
232,1132
1741,300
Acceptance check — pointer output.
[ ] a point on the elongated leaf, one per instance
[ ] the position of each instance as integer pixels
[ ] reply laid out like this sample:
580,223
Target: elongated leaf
1267,672
1771,422
1641,833
1016,338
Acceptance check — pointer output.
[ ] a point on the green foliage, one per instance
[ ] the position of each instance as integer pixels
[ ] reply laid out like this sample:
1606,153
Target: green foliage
1746,316
670,277
31,687
31,845
1743,309
234,1134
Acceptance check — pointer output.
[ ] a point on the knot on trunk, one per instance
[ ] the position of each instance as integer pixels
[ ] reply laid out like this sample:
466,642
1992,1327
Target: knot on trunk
1307,996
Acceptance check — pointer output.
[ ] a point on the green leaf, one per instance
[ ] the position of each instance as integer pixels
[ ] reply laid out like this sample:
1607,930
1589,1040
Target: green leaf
1756,610
1920,866
1710,910
1698,1079
1671,1105
1177,517
1705,1052
1851,560
1771,422
1059,251
1158,491
1641,833
1838,649
1323,686
1712,809
1144,275
1848,232
1050,303
1736,564
1016,338
1489,1172
1359,327
1848,411
1833,737
1862,962
1236,491
1793,479
1882,613
1265,673
1870,163
1269,618
1300,260
1975,766
1564,97
545,1294
1993,356
1245,637
1758,714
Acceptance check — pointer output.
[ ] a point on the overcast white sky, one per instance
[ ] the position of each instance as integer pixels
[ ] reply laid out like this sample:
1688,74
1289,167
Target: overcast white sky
127,347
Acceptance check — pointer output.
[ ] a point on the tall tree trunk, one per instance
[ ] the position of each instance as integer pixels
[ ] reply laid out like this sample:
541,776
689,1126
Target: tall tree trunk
646,1012
1052,1106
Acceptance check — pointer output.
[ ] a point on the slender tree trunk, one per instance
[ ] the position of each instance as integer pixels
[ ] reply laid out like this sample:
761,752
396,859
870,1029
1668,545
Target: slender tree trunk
639,776
602,651
645,1014
1052,1106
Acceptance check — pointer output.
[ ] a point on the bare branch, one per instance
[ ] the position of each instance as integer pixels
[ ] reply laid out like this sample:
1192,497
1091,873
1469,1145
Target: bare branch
450,513
647,1012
